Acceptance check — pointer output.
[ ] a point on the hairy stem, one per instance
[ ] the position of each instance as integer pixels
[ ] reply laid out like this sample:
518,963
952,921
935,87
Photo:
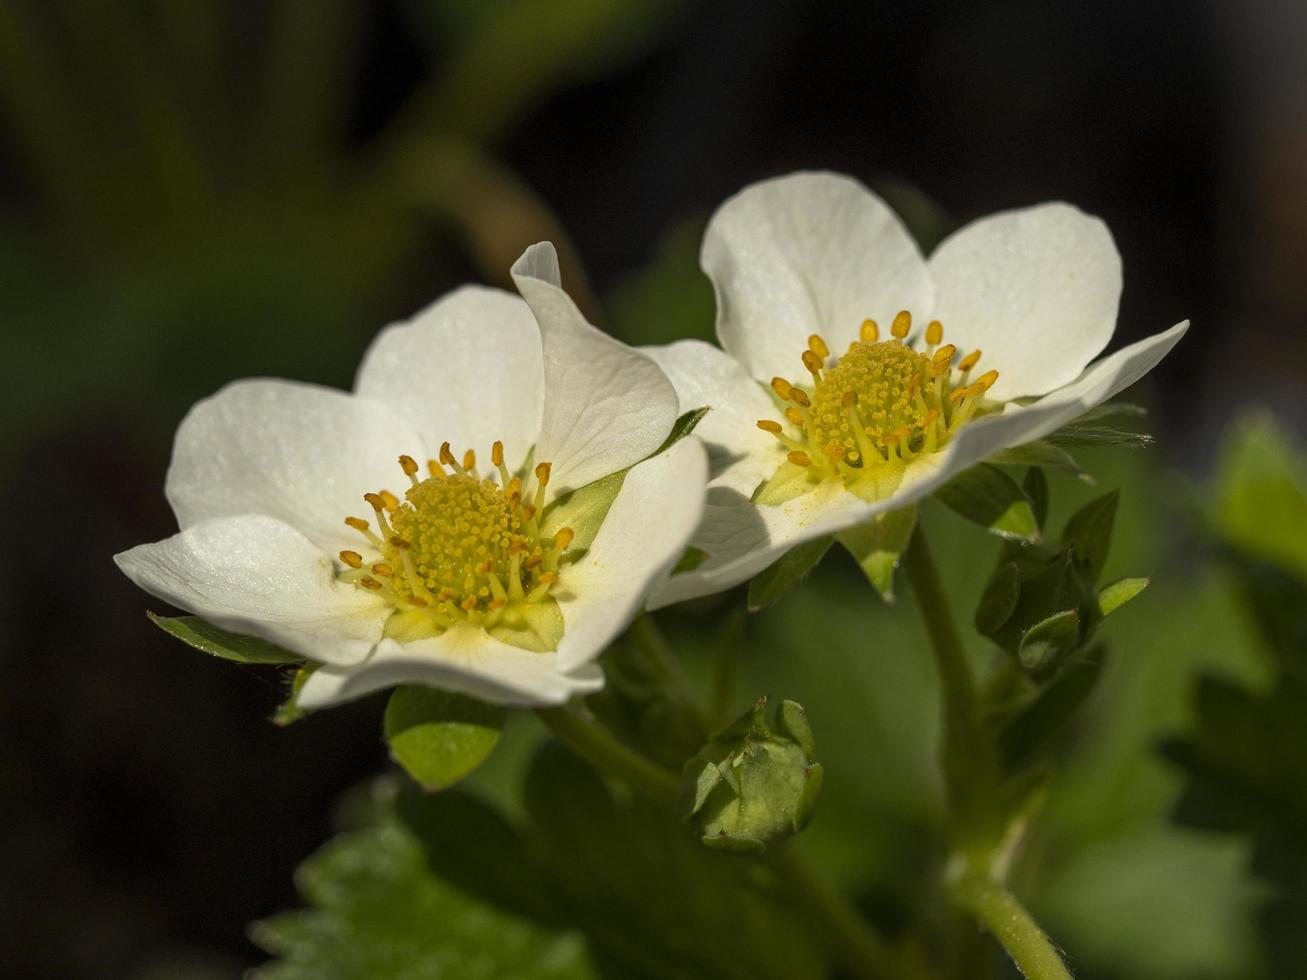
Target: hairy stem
968,751
1017,932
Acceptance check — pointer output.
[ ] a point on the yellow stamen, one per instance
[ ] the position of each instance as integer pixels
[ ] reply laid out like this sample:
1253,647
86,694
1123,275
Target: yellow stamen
869,332
902,324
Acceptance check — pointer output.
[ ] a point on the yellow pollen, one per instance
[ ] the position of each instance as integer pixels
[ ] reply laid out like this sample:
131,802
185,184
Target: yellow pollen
934,332
869,332
818,346
352,558
358,524
799,458
389,499
800,397
812,361
986,381
781,387
563,538
542,473
497,453
794,415
767,425
943,357
968,362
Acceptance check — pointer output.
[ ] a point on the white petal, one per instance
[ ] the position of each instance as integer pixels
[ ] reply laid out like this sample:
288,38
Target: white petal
466,370
258,576
464,659
742,538
705,376
606,406
297,452
643,536
803,254
1036,289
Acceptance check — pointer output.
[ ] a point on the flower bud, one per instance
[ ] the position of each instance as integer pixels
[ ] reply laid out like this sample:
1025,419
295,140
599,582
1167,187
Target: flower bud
754,783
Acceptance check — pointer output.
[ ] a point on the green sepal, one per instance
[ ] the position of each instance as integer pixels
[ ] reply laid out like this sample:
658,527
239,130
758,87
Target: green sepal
1025,736
1044,645
1041,453
206,637
290,711
1035,486
1113,597
1088,533
987,496
806,808
792,567
878,545
439,737
584,509
999,600
1101,426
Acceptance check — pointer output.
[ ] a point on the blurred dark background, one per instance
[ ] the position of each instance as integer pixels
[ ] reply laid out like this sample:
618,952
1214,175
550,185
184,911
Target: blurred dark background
192,192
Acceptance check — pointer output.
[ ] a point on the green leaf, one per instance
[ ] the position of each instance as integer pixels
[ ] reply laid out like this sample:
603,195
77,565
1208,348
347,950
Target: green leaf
878,545
439,737
1044,644
989,497
777,579
1261,494
1089,534
1113,597
378,913
685,424
1040,453
219,643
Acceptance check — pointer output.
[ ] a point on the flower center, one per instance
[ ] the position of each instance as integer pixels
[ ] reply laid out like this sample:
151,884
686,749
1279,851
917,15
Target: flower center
881,405
460,548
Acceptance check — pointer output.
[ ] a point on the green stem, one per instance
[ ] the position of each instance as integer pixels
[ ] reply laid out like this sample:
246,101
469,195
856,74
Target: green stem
606,754
1007,919
863,950
651,638
968,751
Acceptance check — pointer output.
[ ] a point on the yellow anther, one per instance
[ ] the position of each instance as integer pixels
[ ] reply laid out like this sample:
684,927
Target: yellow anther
375,499
800,397
542,473
934,332
849,399
958,394
533,561
497,453
397,542
434,468
418,601
902,324
563,537
812,362
468,604
358,524
968,362
447,455
781,387
470,460
986,381
389,499
514,491
943,357
547,578
382,569
352,558
818,346
795,415
409,465
869,332
371,584
767,425
799,458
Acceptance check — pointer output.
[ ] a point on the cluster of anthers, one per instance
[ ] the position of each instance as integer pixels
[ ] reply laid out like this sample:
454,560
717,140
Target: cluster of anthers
458,547
880,406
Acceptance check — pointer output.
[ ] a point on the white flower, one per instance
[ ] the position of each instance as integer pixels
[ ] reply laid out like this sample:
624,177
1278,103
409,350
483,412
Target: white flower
836,398
495,586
